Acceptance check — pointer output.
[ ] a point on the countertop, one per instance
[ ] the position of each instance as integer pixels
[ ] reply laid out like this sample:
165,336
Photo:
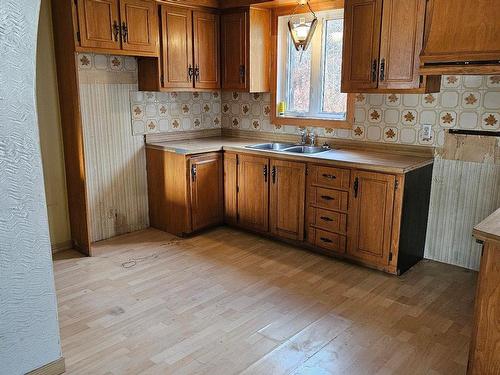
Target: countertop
489,228
362,159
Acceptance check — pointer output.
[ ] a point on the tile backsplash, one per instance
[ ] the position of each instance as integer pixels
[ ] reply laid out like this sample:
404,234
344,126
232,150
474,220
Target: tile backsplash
465,102
158,112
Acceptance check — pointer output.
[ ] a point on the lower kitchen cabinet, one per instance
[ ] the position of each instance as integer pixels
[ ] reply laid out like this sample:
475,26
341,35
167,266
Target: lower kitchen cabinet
206,190
253,192
287,199
265,194
185,192
371,216
376,219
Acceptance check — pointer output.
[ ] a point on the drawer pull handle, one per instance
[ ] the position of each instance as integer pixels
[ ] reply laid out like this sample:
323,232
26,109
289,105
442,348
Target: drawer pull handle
327,240
326,218
329,176
327,198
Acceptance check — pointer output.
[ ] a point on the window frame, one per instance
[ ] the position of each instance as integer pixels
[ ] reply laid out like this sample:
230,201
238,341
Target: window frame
298,119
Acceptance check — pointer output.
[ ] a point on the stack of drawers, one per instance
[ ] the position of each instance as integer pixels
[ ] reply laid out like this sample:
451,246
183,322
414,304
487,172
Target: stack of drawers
327,205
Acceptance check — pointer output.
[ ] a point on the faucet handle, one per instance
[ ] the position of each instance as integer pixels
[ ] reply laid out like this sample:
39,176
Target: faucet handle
303,135
312,138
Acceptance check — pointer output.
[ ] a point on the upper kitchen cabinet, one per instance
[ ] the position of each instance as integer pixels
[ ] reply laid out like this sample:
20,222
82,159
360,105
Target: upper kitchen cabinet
382,43
190,53
461,37
117,26
245,49
206,50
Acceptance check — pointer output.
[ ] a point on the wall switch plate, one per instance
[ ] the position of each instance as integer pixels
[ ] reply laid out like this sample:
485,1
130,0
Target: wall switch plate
426,131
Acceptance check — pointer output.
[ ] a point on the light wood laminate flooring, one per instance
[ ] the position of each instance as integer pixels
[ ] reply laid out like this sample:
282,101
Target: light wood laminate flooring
230,302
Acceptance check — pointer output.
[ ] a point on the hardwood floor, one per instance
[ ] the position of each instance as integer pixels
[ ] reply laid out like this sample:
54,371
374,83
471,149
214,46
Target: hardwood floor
228,302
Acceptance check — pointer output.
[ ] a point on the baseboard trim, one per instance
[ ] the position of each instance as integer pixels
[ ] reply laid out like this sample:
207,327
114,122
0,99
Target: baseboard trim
66,245
53,368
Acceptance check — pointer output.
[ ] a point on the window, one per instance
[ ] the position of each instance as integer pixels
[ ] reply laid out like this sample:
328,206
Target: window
308,82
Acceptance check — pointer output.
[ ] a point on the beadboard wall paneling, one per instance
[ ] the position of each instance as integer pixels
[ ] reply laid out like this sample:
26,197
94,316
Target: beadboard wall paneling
463,194
29,329
115,160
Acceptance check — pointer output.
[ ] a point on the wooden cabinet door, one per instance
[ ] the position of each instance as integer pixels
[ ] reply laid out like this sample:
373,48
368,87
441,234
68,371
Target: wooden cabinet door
139,25
206,50
177,46
370,217
401,43
206,190
253,194
230,188
288,194
99,24
234,50
362,21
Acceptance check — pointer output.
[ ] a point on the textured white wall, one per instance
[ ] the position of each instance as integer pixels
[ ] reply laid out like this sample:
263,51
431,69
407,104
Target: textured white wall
29,332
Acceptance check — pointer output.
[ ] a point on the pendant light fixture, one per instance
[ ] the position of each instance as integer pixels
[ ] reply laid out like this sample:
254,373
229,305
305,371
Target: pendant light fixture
301,30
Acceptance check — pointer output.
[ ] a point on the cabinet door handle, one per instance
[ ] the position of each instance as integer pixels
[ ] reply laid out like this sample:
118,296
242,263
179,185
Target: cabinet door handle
327,240
382,69
197,73
329,176
326,218
193,172
242,73
124,32
273,174
116,30
374,70
327,198
265,173
190,73
356,187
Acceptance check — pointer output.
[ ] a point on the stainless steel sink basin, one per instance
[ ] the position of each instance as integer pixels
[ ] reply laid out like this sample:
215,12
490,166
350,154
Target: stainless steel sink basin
305,149
271,146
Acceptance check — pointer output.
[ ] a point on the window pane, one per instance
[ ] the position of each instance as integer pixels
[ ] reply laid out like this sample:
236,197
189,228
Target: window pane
299,79
334,101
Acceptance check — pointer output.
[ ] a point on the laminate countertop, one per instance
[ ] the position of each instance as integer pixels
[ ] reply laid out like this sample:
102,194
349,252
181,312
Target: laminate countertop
489,228
352,158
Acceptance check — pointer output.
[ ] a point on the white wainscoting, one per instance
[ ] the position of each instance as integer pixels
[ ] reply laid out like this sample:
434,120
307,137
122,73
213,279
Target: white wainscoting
115,161
463,194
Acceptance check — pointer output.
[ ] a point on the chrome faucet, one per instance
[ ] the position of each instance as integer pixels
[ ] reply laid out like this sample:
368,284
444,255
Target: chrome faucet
303,136
312,138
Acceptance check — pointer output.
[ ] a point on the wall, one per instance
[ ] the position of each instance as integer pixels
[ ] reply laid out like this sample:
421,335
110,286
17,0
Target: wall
29,331
161,112
463,192
115,160
466,102
50,133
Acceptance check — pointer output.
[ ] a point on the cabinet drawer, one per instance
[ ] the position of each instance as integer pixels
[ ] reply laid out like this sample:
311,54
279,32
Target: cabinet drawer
328,220
330,177
327,240
328,198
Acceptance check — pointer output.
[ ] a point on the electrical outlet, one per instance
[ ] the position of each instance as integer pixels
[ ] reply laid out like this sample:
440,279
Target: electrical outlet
427,131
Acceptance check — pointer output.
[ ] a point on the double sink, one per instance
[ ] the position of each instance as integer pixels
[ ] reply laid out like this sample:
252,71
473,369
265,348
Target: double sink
288,147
